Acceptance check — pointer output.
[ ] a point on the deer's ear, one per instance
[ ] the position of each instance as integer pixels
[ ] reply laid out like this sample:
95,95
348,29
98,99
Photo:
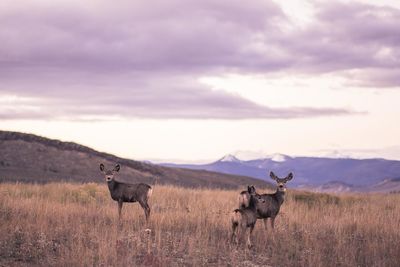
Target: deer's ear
289,177
117,167
251,189
273,176
101,167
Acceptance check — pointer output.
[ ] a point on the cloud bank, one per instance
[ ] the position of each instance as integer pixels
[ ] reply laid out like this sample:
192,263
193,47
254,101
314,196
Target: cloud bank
95,58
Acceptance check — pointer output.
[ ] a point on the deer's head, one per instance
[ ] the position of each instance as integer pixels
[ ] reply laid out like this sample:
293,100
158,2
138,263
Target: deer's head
254,197
251,189
281,182
109,174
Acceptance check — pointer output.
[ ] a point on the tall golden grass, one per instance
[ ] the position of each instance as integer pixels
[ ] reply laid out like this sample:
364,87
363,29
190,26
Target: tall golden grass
65,224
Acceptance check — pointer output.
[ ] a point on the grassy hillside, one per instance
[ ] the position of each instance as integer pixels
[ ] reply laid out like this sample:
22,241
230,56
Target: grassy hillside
67,224
31,158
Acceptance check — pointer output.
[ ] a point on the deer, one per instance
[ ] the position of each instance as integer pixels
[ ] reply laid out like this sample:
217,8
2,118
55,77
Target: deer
124,192
271,205
244,197
245,217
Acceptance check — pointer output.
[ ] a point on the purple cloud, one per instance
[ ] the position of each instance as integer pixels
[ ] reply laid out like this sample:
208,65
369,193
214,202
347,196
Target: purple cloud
351,37
166,97
173,36
196,37
140,60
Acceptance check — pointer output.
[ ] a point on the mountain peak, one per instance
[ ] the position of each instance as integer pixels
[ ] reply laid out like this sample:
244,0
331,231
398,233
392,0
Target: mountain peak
229,158
278,157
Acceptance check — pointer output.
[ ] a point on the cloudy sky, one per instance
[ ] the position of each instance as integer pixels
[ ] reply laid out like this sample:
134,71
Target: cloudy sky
187,80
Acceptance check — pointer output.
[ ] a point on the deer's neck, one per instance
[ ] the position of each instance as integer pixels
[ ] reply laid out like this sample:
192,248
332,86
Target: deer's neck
279,196
111,186
252,204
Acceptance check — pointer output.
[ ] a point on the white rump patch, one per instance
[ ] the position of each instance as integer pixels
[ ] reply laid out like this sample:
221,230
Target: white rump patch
149,193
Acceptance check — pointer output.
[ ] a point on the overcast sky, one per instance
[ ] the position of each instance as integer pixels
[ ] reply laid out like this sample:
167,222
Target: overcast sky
190,80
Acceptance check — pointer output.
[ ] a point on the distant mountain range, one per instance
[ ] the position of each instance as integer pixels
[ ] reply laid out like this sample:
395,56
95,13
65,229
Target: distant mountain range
31,158
314,173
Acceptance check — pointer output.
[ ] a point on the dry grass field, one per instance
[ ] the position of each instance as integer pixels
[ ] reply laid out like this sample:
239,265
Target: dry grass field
64,224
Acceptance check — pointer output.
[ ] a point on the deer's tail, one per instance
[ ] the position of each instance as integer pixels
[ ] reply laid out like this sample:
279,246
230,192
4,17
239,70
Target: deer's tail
150,191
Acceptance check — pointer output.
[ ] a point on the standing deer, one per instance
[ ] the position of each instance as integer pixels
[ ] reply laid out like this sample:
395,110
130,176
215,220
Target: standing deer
245,217
123,192
272,202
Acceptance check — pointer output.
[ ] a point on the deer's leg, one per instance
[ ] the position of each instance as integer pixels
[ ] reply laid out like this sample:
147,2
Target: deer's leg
249,245
236,224
265,221
120,202
146,209
273,227
242,234
265,224
234,235
273,223
239,232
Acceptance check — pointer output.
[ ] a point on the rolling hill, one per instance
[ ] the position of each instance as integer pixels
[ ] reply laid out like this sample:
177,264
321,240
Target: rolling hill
31,158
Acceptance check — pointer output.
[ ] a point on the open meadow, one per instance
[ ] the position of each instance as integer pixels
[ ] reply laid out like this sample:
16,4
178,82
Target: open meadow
63,224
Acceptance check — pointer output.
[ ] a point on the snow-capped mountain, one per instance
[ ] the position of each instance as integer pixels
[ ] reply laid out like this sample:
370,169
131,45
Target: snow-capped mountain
278,157
322,174
229,158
